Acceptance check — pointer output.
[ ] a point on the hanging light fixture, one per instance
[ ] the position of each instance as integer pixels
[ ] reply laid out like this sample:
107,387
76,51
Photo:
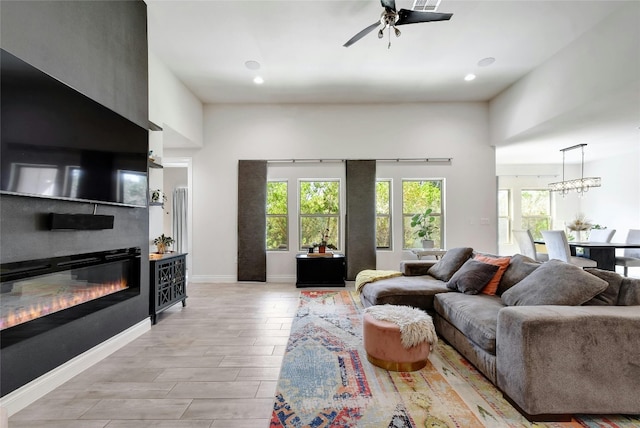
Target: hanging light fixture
580,185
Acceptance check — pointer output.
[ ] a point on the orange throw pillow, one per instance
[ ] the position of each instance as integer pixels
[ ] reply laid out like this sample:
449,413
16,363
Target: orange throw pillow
502,263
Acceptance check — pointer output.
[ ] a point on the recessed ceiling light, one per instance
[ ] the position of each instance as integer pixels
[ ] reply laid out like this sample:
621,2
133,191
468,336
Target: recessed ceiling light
258,80
486,61
252,65
469,77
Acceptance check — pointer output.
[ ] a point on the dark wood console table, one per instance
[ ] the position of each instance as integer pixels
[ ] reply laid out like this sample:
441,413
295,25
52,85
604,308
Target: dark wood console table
315,271
168,282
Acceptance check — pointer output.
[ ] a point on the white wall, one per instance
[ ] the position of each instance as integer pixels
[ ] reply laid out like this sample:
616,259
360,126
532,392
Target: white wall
233,132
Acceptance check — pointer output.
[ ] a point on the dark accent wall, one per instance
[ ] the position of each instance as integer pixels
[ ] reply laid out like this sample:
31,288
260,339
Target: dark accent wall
100,49
252,201
360,216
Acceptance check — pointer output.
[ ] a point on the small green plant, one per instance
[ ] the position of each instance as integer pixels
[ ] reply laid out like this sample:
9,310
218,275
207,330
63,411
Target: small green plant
163,242
425,224
158,195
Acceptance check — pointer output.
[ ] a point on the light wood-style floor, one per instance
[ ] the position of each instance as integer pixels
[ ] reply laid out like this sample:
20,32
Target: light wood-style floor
212,364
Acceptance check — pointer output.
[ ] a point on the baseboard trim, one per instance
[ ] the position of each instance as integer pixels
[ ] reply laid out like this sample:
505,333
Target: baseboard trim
37,388
227,279
282,278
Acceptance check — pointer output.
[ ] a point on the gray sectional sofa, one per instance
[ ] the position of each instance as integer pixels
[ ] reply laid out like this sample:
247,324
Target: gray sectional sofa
555,339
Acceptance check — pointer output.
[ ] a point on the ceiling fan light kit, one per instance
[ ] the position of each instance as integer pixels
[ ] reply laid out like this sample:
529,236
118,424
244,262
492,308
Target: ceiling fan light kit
391,18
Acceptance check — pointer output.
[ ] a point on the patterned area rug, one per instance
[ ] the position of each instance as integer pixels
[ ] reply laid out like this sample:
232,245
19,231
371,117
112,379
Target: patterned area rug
327,381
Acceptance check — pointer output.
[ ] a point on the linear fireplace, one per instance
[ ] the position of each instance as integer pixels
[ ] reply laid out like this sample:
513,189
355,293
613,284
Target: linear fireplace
39,295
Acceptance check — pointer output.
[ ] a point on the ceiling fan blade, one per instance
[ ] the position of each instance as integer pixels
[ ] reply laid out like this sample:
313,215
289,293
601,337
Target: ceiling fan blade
406,16
389,4
361,34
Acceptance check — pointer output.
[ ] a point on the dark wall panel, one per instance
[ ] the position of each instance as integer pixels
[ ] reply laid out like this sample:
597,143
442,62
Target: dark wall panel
100,49
252,201
360,216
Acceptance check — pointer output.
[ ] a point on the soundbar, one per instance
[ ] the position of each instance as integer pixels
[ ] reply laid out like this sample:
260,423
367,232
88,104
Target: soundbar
80,221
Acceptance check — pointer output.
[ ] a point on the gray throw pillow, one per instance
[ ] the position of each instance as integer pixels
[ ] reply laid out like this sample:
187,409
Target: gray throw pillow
555,283
472,277
449,264
629,292
609,296
519,268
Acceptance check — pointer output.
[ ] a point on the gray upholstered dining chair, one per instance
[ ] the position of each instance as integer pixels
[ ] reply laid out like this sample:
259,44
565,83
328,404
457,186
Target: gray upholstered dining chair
558,248
527,246
631,257
601,235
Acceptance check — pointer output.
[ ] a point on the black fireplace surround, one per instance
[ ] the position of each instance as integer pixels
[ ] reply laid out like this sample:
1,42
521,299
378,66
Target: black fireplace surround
39,295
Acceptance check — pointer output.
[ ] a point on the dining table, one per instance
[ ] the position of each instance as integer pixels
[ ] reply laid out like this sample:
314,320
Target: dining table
603,253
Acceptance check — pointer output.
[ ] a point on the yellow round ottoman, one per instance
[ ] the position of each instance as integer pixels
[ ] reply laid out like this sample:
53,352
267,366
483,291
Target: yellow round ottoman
397,338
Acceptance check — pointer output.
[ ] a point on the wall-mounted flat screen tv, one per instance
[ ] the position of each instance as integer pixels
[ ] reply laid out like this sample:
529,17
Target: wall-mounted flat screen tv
59,143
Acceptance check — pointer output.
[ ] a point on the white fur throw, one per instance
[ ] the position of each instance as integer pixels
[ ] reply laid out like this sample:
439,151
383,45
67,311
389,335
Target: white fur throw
416,326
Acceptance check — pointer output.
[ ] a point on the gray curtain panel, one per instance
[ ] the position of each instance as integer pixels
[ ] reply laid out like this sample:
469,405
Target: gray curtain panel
252,220
180,219
360,248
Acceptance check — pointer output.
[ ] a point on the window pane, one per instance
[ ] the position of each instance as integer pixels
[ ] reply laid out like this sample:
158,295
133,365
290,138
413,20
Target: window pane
383,233
417,197
277,197
535,225
313,227
383,197
277,219
535,202
504,230
503,203
277,228
319,197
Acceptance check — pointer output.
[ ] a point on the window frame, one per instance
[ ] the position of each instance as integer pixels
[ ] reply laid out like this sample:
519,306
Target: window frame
337,215
285,216
389,216
441,214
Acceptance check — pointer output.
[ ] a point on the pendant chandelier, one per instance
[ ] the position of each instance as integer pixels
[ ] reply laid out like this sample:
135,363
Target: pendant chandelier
580,185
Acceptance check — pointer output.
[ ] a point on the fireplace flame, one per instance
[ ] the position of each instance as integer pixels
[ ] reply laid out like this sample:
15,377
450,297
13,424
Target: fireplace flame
58,303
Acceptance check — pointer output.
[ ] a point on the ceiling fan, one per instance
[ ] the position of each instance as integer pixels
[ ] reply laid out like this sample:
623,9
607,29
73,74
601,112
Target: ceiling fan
390,18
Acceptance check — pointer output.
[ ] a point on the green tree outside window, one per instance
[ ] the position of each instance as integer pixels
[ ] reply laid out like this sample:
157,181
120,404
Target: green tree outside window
417,196
319,210
277,216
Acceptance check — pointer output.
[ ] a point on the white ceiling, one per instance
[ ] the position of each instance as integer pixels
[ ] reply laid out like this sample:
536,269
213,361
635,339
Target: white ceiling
299,47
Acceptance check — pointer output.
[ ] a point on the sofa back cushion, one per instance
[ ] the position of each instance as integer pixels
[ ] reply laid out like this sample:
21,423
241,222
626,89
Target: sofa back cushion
555,283
519,268
449,264
610,294
629,294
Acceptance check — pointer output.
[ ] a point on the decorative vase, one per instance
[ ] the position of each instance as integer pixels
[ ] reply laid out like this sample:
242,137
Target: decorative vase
322,249
427,244
161,248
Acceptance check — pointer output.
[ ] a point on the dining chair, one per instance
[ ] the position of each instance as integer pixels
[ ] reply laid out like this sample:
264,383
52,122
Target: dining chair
601,235
631,257
558,248
527,246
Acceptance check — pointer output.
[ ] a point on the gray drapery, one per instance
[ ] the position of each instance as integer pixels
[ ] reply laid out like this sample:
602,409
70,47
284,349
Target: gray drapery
360,242
252,220
180,195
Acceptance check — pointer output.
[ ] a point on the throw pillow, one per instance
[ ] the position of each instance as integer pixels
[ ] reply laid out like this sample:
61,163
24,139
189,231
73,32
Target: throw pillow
555,283
502,263
472,277
610,294
519,268
449,264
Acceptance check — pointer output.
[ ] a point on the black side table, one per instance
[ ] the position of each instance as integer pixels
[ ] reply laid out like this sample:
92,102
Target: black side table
315,271
168,282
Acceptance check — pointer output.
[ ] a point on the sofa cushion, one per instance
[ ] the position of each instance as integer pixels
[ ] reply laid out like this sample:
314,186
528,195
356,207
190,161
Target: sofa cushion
519,268
449,264
415,291
475,316
610,294
555,283
502,263
416,267
472,277
629,292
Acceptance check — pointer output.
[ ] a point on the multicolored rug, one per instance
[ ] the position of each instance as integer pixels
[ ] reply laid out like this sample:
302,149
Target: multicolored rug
326,381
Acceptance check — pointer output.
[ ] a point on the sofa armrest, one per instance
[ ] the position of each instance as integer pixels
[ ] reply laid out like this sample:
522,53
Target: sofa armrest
416,267
570,359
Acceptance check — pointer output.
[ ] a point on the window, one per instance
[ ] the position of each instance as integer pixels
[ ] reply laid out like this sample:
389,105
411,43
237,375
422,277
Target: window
504,216
383,214
417,197
277,216
319,211
536,211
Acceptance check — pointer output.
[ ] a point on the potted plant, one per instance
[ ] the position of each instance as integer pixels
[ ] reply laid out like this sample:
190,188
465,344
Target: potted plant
579,224
426,226
323,245
158,196
163,242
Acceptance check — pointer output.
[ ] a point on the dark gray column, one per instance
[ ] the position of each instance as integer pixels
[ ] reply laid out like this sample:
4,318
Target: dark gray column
252,220
360,243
